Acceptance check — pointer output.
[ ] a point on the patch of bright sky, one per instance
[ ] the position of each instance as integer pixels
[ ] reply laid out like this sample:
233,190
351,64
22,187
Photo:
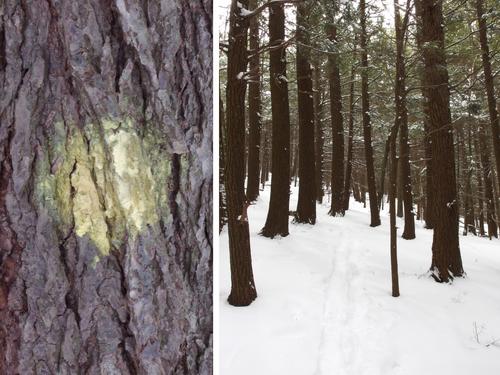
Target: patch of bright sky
222,13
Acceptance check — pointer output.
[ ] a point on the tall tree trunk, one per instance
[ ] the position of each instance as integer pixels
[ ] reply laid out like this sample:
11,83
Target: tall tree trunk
243,290
469,226
106,187
277,216
429,191
306,207
488,182
402,121
488,81
480,189
254,109
319,134
350,137
337,203
222,189
367,130
446,259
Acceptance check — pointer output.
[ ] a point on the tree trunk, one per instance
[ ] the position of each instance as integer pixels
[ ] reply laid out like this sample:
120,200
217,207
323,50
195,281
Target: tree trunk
446,259
337,203
488,81
348,173
429,191
222,189
402,120
277,216
254,109
306,207
367,130
488,182
106,187
392,213
243,290
319,136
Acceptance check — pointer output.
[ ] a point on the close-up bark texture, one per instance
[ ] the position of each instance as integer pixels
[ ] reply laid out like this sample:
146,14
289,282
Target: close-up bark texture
105,187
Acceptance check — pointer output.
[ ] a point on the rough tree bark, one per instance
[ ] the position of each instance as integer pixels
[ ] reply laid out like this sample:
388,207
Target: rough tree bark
488,81
429,191
488,181
243,290
106,187
350,138
367,130
446,259
222,189
306,206
277,216
318,135
402,121
254,108
337,184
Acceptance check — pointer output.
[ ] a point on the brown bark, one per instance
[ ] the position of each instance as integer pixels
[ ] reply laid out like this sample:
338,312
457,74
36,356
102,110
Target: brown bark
367,130
350,137
243,290
222,189
337,178
106,187
429,191
392,214
318,136
254,109
488,81
306,206
277,216
446,259
488,183
402,121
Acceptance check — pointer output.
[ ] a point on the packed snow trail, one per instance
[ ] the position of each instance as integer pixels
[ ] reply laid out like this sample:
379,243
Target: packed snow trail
324,304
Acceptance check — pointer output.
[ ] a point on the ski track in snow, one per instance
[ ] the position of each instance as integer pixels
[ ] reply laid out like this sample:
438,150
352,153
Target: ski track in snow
324,305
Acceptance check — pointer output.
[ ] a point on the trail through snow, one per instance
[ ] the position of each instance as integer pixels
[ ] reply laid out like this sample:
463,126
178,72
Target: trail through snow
324,305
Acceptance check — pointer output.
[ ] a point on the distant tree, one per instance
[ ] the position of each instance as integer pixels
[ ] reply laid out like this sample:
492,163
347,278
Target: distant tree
254,108
489,83
365,108
337,181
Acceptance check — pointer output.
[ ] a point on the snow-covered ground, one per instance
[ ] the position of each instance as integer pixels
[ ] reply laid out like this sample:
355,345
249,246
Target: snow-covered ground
324,304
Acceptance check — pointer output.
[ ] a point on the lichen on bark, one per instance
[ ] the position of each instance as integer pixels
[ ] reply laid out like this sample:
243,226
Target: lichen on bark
98,181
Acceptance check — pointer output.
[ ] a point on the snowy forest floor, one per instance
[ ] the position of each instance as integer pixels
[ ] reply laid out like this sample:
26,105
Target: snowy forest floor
324,304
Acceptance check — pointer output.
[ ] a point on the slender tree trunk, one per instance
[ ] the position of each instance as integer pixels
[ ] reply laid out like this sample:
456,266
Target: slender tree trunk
243,290
254,109
277,216
446,259
488,80
319,136
337,203
392,213
480,189
222,189
348,173
106,187
306,207
367,130
402,120
488,182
